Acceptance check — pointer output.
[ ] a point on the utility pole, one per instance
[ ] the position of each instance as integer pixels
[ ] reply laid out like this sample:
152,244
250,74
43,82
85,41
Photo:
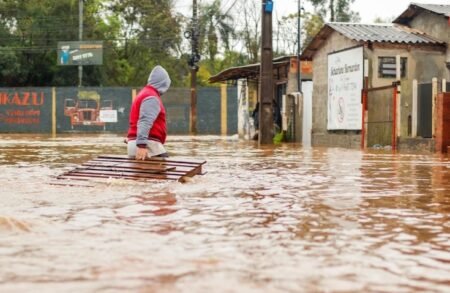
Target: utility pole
80,38
193,63
299,35
266,89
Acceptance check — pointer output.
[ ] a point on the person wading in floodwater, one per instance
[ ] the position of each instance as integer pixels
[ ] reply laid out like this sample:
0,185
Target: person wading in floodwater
148,131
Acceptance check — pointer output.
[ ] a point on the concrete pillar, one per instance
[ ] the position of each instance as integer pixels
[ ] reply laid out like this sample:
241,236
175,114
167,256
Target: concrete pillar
414,110
442,139
133,95
53,112
399,96
283,114
434,91
243,112
299,120
223,109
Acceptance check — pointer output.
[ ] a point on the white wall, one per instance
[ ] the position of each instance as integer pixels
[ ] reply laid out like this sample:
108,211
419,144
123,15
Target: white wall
245,124
307,88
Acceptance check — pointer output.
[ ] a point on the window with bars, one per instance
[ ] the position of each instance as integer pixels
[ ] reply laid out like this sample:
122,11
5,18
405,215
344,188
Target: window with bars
387,67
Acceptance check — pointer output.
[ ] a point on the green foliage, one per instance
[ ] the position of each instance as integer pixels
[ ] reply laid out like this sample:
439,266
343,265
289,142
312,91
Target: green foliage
279,137
209,67
312,25
29,30
214,26
249,12
136,34
287,37
150,35
337,10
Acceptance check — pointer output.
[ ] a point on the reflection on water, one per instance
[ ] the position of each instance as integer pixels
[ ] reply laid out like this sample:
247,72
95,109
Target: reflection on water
281,219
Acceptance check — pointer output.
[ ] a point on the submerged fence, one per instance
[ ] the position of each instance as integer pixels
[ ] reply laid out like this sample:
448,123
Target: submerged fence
98,109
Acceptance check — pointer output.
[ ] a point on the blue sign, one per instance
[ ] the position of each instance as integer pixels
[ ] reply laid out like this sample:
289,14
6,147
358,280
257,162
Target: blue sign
268,7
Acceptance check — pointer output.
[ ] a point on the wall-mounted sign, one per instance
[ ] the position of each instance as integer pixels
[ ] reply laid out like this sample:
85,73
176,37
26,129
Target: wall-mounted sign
108,116
345,83
80,53
25,109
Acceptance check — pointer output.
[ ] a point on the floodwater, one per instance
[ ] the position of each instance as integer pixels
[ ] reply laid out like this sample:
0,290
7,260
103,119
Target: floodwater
282,219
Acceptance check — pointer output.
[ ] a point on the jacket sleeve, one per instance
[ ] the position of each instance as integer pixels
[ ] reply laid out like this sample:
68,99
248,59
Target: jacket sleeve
148,112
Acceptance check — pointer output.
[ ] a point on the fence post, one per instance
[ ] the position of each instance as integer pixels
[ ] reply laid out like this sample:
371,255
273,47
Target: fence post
414,108
399,95
364,118
133,94
434,91
365,113
394,120
223,108
53,112
444,85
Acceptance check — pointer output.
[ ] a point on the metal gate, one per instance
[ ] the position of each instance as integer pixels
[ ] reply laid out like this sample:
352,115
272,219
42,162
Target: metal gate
379,117
424,110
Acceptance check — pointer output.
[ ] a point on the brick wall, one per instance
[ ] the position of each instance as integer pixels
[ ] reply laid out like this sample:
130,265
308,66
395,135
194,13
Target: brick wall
442,122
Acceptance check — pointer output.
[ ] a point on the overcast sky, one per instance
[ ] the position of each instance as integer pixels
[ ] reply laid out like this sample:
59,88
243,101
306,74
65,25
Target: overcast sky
368,9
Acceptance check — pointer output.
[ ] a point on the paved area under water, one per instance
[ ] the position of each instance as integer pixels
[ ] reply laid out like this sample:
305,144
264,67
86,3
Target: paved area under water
282,219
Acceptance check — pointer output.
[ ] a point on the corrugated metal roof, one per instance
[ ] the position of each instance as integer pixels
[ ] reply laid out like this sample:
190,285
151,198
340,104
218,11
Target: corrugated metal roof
443,9
247,71
371,33
415,9
382,33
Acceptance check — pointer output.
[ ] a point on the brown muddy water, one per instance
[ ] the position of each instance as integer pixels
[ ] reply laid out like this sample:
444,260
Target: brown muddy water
282,219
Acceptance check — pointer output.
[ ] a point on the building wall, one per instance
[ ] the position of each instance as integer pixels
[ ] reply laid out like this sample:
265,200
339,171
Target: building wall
436,26
295,111
422,65
320,135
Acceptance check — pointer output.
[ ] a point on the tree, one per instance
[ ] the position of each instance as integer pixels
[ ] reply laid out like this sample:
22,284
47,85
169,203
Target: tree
312,25
250,23
32,29
136,35
287,37
214,26
151,35
337,10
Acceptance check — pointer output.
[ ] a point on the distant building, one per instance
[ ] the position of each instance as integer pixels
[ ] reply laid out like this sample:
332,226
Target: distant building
285,84
433,19
341,52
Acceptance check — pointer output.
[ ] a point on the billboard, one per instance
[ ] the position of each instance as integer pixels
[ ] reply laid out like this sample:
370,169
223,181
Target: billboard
345,83
80,53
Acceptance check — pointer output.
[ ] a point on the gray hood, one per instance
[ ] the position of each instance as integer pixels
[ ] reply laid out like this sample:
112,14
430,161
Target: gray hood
159,79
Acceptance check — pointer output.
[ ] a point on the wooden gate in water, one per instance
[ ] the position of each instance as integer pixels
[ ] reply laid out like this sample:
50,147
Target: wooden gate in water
379,116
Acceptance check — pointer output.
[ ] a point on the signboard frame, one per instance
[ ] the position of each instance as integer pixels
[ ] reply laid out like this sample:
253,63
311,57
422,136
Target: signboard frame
80,53
345,84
